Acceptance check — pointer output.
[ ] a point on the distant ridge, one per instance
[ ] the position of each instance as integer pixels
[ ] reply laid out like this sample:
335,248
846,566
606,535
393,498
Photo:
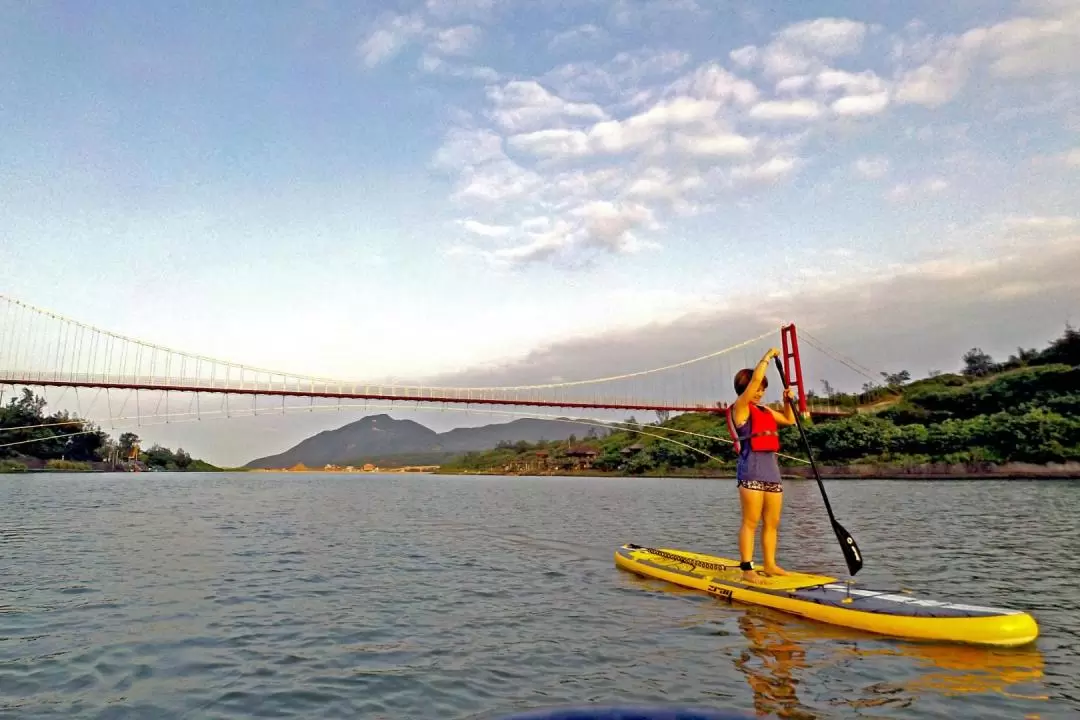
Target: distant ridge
381,437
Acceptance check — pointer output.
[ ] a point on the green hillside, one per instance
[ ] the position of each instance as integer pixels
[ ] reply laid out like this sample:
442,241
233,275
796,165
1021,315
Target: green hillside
1024,409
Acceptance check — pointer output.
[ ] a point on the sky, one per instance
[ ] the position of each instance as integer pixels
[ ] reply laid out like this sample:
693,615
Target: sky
488,190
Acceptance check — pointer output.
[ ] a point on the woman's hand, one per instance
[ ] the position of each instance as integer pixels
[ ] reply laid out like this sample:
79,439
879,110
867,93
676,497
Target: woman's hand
789,393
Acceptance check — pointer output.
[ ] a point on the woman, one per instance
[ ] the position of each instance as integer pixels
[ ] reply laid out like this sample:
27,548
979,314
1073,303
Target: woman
754,429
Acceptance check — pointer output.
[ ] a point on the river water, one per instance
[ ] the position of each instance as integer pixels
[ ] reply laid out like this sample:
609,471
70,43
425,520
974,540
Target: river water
417,596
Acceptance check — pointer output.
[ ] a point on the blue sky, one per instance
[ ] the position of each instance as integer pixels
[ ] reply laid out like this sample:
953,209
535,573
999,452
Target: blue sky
332,188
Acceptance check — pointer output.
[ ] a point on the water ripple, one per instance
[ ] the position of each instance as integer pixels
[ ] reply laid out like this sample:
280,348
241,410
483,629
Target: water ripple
420,596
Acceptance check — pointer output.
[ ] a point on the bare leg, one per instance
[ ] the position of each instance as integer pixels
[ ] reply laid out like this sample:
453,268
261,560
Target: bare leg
751,501
773,504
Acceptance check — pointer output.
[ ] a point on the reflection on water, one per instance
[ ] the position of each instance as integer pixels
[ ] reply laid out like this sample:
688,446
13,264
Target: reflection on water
236,596
771,662
784,656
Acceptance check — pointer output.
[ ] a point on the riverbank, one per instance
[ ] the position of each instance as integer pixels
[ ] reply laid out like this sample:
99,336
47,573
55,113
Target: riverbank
29,464
943,471
866,471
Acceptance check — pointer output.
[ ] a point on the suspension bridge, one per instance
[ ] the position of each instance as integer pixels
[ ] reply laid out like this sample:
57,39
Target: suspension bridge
43,349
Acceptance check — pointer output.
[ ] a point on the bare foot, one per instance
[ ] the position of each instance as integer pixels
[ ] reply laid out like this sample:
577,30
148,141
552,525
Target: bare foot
751,576
775,570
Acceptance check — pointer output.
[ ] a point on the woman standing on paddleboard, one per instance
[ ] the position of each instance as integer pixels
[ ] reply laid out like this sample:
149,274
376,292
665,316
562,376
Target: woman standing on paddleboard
754,428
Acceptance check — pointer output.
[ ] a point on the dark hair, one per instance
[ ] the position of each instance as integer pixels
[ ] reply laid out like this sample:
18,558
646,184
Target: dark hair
742,380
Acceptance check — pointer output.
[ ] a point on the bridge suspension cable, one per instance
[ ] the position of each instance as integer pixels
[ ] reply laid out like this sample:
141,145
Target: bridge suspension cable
40,347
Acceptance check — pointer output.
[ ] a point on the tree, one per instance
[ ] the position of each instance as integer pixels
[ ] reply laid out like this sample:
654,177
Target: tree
894,380
158,456
828,388
1066,349
977,363
126,443
662,416
24,410
182,459
87,446
107,451
1022,358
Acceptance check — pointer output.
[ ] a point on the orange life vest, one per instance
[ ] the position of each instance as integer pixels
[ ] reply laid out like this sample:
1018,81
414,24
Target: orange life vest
764,435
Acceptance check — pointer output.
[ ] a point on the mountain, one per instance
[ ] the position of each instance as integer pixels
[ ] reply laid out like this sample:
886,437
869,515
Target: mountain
381,437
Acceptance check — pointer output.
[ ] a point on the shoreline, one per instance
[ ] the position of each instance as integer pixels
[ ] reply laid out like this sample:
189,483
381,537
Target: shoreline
865,471
942,471
868,471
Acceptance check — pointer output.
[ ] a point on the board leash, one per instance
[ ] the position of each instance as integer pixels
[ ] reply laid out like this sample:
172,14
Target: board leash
704,563
683,559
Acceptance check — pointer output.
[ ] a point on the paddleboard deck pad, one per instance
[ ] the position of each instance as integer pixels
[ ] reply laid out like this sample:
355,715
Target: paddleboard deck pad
829,600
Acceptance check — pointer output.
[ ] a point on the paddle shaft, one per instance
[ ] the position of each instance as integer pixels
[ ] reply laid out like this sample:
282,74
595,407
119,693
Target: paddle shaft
806,443
847,543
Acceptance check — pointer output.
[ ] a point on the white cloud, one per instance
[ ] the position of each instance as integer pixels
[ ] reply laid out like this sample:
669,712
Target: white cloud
648,131
859,105
645,131
438,66
745,56
793,85
712,81
458,40
912,190
658,183
827,37
497,181
863,83
718,144
524,105
1034,278
786,110
540,247
485,230
465,147
485,174
1030,224
574,38
771,170
938,80
871,167
629,80
1046,44
610,226
552,143
391,34
803,47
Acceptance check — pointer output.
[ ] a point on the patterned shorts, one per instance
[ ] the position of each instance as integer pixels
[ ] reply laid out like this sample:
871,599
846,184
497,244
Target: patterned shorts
771,487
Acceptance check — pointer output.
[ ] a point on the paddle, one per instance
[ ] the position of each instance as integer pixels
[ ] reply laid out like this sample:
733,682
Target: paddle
847,543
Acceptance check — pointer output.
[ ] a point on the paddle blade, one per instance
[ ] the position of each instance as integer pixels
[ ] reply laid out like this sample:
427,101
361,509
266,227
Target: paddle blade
852,556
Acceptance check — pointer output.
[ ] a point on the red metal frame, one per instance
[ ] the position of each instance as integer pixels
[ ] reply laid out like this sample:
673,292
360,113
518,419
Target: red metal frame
449,400
789,339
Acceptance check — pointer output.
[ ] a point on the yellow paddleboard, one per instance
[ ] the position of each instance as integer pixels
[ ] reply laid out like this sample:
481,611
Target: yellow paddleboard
828,600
